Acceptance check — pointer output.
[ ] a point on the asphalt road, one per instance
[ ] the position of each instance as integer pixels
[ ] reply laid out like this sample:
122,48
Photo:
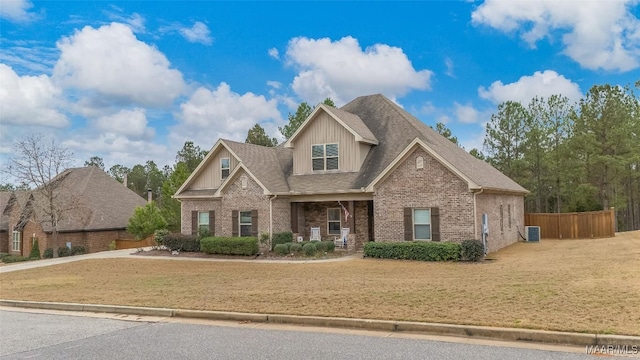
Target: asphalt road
25,335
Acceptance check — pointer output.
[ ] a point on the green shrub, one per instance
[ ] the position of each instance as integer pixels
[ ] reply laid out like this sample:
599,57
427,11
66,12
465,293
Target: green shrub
230,245
35,251
145,221
415,250
158,236
78,250
48,253
179,242
331,246
321,246
281,238
295,248
3,255
64,251
471,250
113,245
281,249
14,258
309,249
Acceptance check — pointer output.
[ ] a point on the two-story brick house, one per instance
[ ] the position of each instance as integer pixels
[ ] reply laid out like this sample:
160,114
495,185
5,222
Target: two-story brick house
369,166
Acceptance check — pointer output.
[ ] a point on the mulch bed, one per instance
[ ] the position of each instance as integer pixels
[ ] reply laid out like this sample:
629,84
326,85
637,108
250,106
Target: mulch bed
266,256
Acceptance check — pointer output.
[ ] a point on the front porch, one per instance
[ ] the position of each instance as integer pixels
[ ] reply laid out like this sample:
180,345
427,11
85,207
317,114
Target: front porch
333,216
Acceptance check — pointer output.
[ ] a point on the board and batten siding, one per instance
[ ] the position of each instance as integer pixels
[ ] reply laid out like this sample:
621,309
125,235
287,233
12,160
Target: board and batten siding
325,130
211,176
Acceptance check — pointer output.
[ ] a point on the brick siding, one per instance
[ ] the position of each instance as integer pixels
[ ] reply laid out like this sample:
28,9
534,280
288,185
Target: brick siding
489,204
432,186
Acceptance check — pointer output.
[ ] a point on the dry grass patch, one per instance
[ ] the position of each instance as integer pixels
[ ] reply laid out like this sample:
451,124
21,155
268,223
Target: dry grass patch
569,285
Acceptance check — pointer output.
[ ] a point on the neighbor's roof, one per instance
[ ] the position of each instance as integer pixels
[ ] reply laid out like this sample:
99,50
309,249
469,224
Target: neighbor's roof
4,200
90,199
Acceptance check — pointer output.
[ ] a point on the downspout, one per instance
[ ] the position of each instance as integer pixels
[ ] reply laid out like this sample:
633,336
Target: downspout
475,212
271,219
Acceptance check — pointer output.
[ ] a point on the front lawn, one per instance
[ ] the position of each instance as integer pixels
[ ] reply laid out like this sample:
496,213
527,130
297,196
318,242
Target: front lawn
568,285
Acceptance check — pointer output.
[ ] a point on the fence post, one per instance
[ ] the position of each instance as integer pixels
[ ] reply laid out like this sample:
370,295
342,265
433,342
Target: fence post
613,221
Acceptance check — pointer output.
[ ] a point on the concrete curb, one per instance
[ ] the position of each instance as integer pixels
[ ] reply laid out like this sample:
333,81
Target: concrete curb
469,331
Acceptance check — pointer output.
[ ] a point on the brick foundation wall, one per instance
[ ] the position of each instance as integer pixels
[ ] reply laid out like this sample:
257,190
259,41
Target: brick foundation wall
507,234
432,186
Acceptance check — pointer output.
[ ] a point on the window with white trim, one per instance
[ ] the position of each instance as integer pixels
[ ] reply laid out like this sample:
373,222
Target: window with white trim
245,223
422,224
333,221
17,237
203,222
224,167
324,157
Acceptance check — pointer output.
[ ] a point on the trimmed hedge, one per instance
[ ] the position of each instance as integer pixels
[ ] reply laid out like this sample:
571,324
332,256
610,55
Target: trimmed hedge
48,253
229,245
309,249
281,238
179,242
295,248
281,249
14,258
331,246
471,250
78,250
322,246
64,251
414,250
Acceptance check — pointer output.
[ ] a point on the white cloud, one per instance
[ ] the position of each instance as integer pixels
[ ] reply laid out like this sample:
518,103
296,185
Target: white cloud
444,119
466,114
198,33
16,10
132,123
449,64
29,100
341,70
113,63
118,149
222,113
273,52
541,84
274,84
596,34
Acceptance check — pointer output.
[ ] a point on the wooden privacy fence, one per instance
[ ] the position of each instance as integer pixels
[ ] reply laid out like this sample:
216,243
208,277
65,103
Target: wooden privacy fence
134,244
583,225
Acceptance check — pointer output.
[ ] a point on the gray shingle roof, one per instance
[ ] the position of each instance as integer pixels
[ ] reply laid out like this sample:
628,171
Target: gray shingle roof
377,119
264,163
398,128
93,201
4,200
354,122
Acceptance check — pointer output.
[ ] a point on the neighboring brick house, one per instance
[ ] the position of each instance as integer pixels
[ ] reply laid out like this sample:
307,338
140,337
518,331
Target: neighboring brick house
95,211
369,166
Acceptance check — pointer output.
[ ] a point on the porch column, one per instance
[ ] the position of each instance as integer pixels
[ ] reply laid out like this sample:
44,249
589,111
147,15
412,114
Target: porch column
352,220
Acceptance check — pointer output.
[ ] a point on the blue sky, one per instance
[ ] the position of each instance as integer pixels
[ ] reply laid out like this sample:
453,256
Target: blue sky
132,81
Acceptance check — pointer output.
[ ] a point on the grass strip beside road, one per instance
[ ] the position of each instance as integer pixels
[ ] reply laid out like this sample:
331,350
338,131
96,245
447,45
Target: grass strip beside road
571,285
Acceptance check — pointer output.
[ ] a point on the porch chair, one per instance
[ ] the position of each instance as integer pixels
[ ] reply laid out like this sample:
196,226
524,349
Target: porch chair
315,234
344,234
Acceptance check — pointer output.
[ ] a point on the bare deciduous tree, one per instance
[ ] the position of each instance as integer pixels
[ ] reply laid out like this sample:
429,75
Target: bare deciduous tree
38,163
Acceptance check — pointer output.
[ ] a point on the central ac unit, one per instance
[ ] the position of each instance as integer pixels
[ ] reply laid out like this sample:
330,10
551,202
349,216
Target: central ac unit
532,233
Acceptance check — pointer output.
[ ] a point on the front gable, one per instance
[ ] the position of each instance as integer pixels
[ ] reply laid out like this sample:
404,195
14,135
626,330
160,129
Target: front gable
324,128
209,173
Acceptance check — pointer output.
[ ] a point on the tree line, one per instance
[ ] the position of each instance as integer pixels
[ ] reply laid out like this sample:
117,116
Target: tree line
572,157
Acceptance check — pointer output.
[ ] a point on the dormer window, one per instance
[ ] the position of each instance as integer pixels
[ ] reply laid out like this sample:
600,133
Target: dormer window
324,157
224,166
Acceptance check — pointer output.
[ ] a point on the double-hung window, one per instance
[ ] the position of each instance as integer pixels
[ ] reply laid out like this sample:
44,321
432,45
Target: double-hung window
203,222
224,167
324,157
16,241
333,221
422,224
245,223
